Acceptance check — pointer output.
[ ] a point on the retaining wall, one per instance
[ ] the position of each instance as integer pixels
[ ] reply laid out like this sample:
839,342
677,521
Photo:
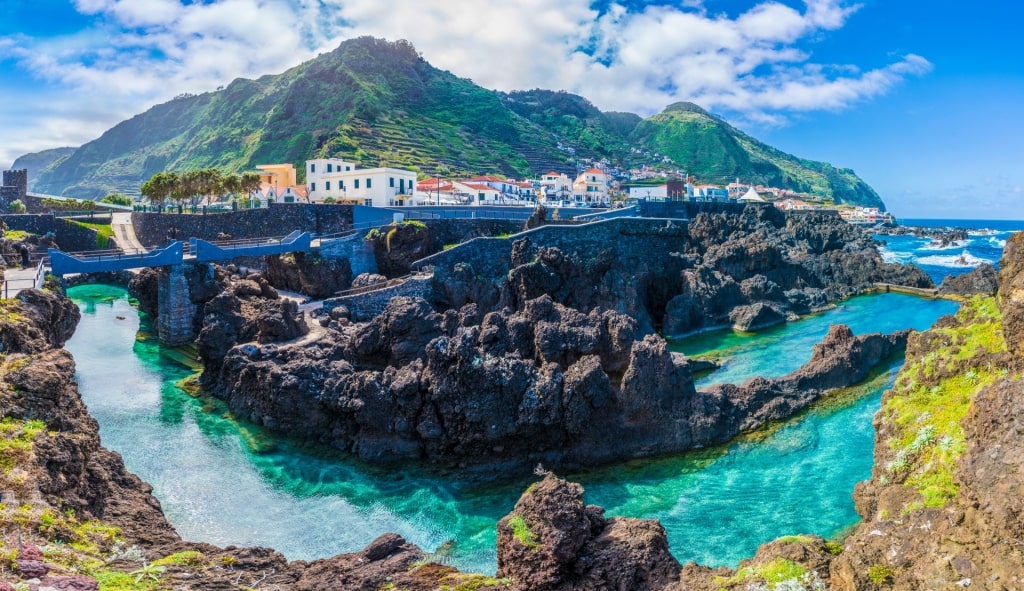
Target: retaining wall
367,305
356,249
278,219
628,237
71,237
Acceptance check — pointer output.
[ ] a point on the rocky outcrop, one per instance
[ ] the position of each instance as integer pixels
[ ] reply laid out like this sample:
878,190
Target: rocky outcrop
69,469
311,275
545,383
762,267
982,280
551,541
397,246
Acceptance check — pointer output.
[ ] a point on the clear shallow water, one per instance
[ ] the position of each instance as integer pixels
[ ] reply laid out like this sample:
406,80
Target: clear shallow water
226,483
779,350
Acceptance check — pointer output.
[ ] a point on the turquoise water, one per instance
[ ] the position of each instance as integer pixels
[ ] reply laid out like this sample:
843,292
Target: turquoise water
226,483
782,349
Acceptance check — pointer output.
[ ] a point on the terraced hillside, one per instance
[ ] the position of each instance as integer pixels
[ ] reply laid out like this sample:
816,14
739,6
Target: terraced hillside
379,103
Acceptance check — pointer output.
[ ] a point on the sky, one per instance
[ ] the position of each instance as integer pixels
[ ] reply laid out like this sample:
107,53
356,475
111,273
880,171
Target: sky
921,99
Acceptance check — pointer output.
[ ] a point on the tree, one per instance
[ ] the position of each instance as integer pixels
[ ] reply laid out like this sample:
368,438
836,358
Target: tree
16,206
232,184
161,186
250,183
117,199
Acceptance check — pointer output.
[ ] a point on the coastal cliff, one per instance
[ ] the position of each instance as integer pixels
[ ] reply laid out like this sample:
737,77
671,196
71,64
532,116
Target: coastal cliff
941,511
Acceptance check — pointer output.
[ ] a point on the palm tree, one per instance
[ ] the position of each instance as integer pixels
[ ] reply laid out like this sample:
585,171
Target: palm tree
250,183
232,184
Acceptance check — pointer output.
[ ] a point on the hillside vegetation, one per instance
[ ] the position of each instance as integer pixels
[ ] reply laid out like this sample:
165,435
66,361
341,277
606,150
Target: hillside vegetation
379,103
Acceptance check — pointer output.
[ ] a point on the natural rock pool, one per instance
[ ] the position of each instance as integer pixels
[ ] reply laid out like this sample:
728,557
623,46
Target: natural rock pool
226,483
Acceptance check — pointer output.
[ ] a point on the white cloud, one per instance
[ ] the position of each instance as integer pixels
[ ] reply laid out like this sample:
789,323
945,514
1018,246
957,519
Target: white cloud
756,64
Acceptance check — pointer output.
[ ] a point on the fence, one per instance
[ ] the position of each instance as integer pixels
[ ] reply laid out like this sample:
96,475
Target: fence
12,287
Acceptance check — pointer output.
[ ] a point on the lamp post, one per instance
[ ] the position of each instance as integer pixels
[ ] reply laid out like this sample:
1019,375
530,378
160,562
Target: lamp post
438,175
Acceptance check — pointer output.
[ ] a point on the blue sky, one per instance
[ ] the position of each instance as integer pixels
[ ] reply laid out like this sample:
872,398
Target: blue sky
921,99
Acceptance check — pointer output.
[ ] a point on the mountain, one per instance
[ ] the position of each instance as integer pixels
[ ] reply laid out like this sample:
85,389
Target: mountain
377,103
37,161
714,151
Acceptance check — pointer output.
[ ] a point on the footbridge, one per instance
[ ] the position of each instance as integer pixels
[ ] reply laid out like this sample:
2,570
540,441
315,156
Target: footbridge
176,309
176,253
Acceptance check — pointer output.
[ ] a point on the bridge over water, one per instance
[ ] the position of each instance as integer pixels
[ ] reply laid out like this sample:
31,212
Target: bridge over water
176,310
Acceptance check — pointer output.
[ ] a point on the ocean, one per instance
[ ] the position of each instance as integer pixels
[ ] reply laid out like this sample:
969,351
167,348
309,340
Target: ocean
984,244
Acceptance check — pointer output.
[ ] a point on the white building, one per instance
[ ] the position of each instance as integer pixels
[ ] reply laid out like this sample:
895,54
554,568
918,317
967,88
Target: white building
591,187
345,182
659,192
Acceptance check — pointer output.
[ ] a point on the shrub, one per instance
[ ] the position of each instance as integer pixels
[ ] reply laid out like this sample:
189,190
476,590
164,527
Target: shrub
17,206
880,574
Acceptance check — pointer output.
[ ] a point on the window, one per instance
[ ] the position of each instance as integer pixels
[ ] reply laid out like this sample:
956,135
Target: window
328,167
328,187
392,179
348,168
368,202
312,167
341,185
312,187
368,183
357,183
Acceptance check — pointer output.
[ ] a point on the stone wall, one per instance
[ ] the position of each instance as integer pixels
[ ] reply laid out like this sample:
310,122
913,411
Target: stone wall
356,249
279,219
71,237
367,305
491,257
14,186
444,232
687,209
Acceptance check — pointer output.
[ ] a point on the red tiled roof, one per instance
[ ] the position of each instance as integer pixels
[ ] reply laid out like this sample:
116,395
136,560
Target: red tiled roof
479,186
593,171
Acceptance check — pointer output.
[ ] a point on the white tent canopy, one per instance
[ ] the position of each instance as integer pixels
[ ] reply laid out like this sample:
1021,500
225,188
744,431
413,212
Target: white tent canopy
751,195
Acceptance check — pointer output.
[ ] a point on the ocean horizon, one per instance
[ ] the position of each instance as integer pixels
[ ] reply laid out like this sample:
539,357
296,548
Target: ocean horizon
968,224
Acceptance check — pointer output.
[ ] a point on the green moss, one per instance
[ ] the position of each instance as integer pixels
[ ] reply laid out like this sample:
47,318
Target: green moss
880,575
778,570
186,558
466,582
795,539
111,580
17,235
834,548
16,437
932,395
522,532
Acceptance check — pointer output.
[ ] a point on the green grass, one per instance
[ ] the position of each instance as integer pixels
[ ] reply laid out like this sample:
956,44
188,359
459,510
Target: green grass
103,233
932,395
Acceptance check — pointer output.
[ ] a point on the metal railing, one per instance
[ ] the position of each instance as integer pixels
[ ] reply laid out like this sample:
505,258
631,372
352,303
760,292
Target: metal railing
12,287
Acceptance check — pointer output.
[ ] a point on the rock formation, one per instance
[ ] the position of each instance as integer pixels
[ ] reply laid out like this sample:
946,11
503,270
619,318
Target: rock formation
545,383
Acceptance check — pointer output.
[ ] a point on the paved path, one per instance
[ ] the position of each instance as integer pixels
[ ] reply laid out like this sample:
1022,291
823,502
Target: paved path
16,279
124,233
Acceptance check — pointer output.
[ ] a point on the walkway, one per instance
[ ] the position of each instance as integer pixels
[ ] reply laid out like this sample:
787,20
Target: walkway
17,279
124,232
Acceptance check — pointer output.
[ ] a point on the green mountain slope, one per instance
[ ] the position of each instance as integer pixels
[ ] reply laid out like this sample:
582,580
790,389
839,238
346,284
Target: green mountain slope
37,161
714,151
379,103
